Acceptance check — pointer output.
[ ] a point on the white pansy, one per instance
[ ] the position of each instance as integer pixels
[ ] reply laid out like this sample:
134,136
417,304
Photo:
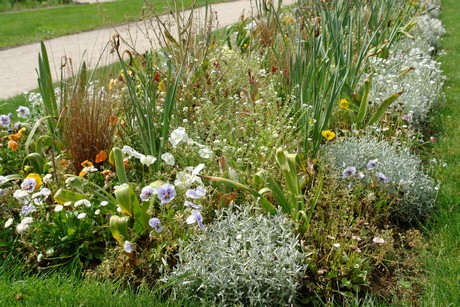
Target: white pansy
168,158
177,136
130,152
205,153
147,160
48,178
188,177
27,220
22,228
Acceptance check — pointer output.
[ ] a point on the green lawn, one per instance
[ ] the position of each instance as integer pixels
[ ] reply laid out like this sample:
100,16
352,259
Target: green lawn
23,27
443,257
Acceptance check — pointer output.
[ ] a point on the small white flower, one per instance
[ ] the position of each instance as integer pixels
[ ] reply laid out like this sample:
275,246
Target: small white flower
81,215
205,153
27,220
22,196
168,158
22,228
177,136
336,245
9,222
378,240
48,178
82,202
89,169
147,160
97,212
58,208
128,247
45,192
130,152
40,257
67,203
104,203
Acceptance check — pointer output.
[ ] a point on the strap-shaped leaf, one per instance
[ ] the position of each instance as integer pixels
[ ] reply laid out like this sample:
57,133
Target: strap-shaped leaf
382,108
117,155
62,196
364,103
37,161
124,199
266,205
119,228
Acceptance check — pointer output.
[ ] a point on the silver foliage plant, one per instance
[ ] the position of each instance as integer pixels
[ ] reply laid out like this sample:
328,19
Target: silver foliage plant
393,168
243,258
412,72
410,69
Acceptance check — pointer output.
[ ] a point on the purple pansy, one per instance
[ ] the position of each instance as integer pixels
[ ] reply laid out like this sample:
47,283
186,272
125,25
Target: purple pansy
29,184
192,205
382,177
349,172
26,209
372,164
146,192
155,223
23,112
5,121
166,193
196,193
195,217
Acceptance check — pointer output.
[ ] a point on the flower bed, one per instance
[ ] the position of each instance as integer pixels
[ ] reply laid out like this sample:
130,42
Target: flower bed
279,160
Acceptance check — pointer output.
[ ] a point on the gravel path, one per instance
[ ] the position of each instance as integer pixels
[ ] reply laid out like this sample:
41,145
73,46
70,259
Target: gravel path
18,65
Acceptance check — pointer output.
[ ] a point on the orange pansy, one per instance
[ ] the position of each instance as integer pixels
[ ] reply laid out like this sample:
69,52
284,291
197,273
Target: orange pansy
13,145
101,157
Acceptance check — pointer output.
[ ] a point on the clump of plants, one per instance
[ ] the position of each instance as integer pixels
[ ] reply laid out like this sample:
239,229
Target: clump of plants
369,165
243,257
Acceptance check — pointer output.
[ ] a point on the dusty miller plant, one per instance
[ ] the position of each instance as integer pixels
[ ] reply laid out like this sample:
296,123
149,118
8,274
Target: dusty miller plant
412,72
242,258
394,169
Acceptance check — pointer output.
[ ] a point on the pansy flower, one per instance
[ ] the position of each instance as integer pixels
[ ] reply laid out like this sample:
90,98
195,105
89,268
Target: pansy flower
155,223
196,217
166,193
199,192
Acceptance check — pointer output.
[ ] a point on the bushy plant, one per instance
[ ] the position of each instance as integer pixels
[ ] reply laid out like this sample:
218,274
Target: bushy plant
242,258
379,165
413,73
429,29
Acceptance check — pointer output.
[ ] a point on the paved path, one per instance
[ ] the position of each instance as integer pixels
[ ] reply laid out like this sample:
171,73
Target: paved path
17,65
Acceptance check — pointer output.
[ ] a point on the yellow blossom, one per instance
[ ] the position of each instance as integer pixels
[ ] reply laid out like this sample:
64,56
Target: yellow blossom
328,134
344,104
162,86
87,163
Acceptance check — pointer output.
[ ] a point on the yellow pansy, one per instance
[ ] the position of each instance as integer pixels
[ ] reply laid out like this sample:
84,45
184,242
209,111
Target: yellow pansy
344,104
328,134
